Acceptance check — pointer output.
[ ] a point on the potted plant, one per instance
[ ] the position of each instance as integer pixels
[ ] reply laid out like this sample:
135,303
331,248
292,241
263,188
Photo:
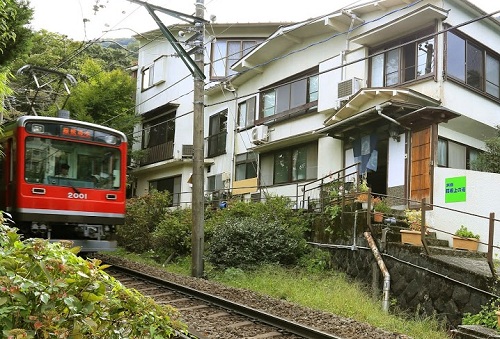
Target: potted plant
363,193
412,235
380,207
465,239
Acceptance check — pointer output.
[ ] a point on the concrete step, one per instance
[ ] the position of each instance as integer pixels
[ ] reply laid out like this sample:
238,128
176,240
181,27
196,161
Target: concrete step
474,332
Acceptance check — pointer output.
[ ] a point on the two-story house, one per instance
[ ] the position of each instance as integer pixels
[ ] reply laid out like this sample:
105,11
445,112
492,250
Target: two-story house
409,90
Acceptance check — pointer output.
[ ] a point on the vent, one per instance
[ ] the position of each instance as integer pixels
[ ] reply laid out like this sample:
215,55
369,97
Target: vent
259,134
187,151
348,87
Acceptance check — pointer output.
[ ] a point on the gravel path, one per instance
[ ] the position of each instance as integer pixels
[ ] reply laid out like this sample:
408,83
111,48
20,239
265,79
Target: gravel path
327,322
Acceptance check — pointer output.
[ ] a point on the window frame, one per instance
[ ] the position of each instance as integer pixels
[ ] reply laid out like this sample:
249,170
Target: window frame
485,86
249,162
147,75
468,150
232,58
217,134
170,182
405,57
279,101
162,125
246,116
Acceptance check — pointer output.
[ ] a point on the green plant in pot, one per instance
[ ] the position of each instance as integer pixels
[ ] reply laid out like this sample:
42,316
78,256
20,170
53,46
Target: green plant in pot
465,239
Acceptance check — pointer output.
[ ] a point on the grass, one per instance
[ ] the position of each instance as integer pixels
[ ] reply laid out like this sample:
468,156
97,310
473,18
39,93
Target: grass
319,289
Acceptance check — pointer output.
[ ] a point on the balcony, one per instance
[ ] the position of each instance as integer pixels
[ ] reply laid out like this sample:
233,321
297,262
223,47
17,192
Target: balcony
158,153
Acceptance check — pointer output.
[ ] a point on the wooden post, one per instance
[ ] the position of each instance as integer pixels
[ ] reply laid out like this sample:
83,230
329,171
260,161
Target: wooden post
490,244
422,226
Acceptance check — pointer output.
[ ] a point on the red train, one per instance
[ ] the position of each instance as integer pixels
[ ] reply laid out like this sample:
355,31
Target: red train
64,179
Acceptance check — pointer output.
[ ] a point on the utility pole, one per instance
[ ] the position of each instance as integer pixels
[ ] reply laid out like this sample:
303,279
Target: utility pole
196,68
198,211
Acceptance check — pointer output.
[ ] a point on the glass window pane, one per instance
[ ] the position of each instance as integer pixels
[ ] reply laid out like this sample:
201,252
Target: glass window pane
219,51
457,155
250,112
474,66
240,172
313,88
242,112
392,68
299,164
233,55
442,153
455,56
251,170
282,98
425,57
298,93
281,167
377,71
409,62
247,47
269,103
492,76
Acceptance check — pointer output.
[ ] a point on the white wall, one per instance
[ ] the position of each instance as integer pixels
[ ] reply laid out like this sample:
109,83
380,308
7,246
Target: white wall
396,159
481,189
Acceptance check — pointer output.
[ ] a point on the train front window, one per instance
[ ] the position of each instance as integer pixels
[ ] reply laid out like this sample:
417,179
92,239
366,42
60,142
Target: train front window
69,163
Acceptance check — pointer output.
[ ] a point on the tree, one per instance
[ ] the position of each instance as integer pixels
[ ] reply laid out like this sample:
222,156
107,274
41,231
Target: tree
15,38
489,160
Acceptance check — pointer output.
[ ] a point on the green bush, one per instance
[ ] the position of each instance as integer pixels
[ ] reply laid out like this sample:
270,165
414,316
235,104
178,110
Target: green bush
486,317
49,292
249,242
172,236
143,216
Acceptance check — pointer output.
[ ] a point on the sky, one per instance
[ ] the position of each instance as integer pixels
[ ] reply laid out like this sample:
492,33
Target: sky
123,18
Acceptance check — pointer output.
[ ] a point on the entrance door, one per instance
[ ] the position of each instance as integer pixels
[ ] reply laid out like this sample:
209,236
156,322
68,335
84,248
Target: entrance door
421,165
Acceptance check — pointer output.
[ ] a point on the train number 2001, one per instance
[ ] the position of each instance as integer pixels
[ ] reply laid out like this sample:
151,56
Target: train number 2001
72,195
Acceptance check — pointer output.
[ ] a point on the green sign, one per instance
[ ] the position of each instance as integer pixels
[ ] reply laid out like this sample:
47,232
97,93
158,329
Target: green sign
455,189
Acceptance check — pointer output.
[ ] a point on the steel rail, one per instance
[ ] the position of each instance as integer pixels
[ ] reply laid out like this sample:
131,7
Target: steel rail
260,316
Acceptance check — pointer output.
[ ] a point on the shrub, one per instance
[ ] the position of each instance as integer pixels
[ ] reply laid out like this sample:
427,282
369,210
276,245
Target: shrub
143,215
172,235
49,292
248,242
464,232
486,317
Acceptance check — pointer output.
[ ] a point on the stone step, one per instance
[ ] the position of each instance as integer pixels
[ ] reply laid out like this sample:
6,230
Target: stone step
475,332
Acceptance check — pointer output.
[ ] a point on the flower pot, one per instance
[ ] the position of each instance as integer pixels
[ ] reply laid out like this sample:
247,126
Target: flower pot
469,244
411,237
378,217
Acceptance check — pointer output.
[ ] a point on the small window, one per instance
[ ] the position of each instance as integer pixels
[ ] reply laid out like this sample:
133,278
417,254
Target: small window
217,134
246,113
147,77
246,166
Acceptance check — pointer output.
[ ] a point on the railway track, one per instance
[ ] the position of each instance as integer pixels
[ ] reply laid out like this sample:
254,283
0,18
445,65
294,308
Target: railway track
215,317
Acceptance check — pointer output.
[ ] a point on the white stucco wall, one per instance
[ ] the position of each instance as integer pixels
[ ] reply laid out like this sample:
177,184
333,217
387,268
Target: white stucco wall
482,189
396,158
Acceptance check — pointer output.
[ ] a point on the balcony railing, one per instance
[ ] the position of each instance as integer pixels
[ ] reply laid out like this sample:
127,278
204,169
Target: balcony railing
158,153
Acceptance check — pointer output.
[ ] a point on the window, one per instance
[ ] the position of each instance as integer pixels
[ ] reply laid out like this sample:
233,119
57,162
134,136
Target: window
246,113
154,74
217,134
470,63
147,77
454,155
246,166
292,97
172,185
290,165
225,52
214,182
158,131
410,61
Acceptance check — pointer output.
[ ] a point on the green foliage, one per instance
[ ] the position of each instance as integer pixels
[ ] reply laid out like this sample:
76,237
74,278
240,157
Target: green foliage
143,215
15,37
247,242
464,232
173,233
489,160
47,291
486,317
381,205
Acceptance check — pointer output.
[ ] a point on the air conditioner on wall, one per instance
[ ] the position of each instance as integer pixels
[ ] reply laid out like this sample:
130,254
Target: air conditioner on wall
259,134
348,87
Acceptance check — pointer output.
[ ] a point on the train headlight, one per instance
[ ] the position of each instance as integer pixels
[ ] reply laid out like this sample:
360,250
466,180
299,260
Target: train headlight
110,139
36,128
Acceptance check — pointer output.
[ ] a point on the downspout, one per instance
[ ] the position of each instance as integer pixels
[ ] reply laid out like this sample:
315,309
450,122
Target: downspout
344,52
383,269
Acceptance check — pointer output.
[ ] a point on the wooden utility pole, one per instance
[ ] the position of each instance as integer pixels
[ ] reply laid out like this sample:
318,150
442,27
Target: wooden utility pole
198,233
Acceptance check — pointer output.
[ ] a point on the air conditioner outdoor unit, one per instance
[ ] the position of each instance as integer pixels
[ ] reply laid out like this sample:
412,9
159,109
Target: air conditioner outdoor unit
347,88
259,134
187,151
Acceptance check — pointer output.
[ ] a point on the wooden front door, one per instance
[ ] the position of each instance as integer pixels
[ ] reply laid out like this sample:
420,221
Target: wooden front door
421,165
